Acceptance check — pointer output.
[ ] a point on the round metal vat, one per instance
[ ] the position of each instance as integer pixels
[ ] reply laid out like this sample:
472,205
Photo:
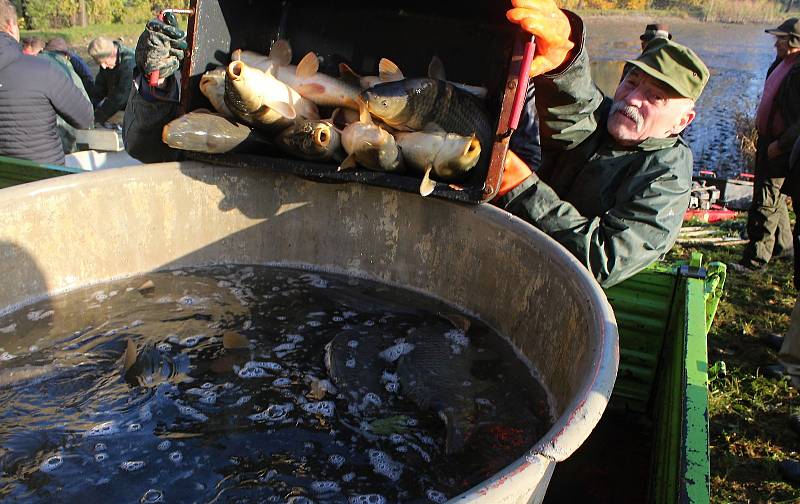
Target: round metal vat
67,232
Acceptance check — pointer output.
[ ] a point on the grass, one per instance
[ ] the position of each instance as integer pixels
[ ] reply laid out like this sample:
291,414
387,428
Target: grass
749,413
80,36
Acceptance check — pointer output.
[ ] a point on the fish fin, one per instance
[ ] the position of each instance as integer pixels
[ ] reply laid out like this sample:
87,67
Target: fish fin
232,340
433,127
281,52
308,66
311,89
236,55
363,113
389,71
427,185
287,110
148,287
458,321
349,75
436,69
130,355
348,163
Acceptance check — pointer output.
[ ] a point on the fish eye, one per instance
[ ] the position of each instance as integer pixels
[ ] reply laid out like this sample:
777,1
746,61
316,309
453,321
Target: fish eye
385,103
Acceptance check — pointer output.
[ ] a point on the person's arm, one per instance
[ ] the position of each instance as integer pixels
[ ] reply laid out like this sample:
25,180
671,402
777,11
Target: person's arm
117,95
791,96
68,100
100,88
638,230
149,109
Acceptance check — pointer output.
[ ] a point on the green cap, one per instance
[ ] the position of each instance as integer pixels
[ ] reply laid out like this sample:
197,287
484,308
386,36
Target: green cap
675,65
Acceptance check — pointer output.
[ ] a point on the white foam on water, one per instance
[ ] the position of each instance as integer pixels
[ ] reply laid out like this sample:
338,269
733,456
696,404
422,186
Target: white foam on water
336,460
314,323
325,487
173,338
422,453
369,323
435,496
251,372
371,399
273,412
100,447
247,324
209,397
458,340
294,338
137,323
337,319
101,457
103,429
396,438
272,366
100,296
349,314
367,499
281,382
164,347
242,400
176,457
191,412
392,387
347,478
224,283
191,341
396,351
315,281
324,408
52,463
9,328
36,315
164,300
134,427
384,465
164,445
352,343
132,465
152,496
285,348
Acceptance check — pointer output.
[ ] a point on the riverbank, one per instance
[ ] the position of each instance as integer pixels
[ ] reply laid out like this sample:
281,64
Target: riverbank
712,11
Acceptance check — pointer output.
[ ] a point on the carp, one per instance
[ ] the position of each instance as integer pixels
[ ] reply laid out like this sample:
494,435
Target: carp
206,132
150,366
448,156
370,146
312,140
212,85
262,100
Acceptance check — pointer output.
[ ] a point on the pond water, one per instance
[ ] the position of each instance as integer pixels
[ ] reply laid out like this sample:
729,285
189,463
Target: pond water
256,384
737,56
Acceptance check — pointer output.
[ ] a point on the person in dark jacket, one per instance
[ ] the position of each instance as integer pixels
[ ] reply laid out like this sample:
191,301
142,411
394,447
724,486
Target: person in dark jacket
82,70
654,31
114,79
778,125
33,91
616,175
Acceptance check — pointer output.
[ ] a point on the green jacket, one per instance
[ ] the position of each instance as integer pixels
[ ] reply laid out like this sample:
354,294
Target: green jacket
616,209
113,85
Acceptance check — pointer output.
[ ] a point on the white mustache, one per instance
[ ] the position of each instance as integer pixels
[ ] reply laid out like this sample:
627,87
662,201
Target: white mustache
628,111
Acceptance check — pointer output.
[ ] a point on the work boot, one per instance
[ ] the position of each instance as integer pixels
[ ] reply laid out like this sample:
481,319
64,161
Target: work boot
790,470
747,268
773,341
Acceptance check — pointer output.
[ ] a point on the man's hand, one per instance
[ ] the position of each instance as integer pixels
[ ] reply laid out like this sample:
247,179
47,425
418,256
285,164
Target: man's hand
515,170
551,28
773,150
161,47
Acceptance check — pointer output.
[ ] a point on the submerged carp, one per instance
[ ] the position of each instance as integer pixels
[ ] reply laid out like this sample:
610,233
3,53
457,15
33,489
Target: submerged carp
262,100
312,140
212,85
304,78
370,146
150,366
448,156
212,133
413,104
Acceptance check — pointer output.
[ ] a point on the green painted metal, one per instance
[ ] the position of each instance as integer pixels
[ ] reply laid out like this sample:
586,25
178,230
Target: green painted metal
19,171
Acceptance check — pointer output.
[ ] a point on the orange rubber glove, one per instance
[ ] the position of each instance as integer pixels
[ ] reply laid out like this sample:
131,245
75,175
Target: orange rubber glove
515,171
551,28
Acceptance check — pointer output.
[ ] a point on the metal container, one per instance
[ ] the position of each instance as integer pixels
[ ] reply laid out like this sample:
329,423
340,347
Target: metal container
70,231
474,40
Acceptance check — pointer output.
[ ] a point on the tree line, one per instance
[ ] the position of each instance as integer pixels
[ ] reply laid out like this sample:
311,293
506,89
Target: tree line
44,14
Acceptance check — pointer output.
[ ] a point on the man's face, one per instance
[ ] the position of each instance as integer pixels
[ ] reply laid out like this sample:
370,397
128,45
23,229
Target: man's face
645,108
782,48
108,62
12,29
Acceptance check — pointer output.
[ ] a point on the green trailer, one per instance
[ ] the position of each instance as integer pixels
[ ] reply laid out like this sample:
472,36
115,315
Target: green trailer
18,171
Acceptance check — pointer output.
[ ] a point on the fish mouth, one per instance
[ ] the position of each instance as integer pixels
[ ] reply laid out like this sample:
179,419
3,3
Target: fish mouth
322,137
235,70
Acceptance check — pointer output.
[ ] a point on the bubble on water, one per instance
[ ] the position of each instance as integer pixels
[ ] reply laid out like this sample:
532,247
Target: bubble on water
9,328
164,347
164,445
314,323
152,496
294,338
113,293
412,422
191,341
100,447
242,400
173,338
401,448
273,412
281,382
383,464
5,356
285,348
336,460
224,283
392,387
191,412
251,372
351,363
337,318
427,440
100,296
164,300
371,399
324,408
103,429
369,323
132,465
435,496
207,385
195,391
349,314
137,323
134,427
209,397
100,457
187,300
176,457
347,478
394,352
367,499
352,343
396,438
299,499
324,487
458,340
37,315
52,463
272,366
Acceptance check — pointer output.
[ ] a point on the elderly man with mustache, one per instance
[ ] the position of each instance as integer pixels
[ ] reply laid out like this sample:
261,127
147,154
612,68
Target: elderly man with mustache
615,176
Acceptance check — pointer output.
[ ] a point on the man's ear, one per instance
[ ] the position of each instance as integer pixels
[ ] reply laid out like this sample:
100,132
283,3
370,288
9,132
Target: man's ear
685,120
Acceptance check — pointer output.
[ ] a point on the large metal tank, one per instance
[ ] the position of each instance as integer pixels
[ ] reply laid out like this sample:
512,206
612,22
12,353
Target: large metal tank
67,232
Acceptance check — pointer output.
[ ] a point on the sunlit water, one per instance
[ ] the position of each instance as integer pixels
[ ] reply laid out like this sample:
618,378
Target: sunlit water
737,56
258,424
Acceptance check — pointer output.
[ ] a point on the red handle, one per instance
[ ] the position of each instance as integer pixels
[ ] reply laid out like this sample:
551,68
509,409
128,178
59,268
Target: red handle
152,77
522,84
